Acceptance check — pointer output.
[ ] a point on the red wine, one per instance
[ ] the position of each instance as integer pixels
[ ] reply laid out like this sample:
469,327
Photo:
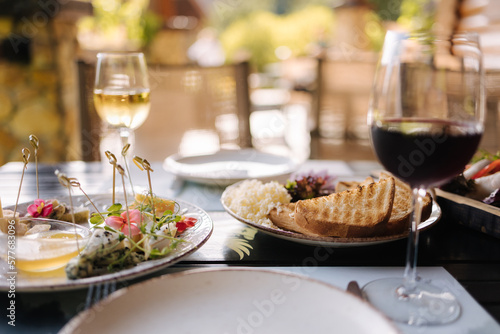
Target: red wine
424,153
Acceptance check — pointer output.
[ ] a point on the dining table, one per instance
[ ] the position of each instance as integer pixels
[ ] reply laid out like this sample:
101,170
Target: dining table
464,260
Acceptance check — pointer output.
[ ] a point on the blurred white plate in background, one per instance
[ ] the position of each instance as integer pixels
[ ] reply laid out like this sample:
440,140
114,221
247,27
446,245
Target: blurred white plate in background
226,167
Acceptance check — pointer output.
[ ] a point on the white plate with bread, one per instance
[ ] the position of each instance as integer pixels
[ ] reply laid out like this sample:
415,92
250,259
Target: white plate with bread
365,213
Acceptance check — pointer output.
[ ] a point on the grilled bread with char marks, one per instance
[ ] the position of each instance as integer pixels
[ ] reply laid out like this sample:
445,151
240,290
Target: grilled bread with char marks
400,219
359,212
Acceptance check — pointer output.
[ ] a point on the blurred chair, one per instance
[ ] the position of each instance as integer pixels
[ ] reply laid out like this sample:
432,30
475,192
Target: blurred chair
341,99
193,109
339,106
483,17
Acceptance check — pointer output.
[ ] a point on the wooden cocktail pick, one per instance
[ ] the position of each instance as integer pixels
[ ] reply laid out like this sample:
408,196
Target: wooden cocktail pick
143,164
66,182
122,173
112,160
76,184
35,143
124,155
26,158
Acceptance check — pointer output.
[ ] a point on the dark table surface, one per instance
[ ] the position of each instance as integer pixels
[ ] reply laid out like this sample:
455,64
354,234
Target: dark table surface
471,257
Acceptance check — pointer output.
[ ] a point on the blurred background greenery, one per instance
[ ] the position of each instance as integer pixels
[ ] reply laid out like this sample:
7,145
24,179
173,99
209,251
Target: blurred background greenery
265,31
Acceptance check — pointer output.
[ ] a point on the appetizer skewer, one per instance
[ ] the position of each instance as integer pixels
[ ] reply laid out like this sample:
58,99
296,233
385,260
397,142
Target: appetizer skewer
35,143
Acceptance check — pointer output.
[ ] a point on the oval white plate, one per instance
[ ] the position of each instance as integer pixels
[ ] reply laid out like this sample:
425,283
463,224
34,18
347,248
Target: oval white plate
329,241
56,280
231,300
229,166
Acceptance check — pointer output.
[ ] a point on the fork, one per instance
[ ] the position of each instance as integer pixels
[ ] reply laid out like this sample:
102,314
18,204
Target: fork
98,292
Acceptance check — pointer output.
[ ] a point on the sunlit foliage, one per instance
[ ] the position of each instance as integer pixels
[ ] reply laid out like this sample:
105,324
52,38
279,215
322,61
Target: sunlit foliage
417,15
113,18
259,34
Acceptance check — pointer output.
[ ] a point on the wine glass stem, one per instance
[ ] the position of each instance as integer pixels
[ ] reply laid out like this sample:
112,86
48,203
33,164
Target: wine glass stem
127,137
410,275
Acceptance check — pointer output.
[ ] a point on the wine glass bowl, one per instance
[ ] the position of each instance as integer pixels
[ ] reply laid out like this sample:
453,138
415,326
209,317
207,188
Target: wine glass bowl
121,92
426,121
427,106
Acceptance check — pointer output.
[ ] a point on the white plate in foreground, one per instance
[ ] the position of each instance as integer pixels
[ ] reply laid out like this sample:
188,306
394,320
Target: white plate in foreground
194,238
231,300
229,166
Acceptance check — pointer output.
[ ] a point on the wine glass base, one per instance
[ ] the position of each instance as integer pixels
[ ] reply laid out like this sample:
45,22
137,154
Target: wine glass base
425,305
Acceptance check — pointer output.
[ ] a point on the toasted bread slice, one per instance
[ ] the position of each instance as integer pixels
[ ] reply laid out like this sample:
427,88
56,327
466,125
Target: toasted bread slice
360,212
400,219
283,217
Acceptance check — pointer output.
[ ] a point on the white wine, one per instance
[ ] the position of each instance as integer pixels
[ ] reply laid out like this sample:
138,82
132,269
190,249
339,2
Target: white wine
122,108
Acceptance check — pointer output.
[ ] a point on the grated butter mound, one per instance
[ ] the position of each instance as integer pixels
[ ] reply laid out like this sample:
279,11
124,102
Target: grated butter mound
253,200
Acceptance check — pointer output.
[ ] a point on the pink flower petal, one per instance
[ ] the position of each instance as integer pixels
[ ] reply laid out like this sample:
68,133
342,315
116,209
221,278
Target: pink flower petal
135,217
133,228
47,209
114,222
39,201
33,210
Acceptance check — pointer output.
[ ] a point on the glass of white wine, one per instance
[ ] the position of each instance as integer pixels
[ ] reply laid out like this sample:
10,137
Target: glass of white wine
121,93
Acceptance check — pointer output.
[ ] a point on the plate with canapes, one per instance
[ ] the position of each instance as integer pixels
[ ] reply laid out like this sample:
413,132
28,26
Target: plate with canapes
40,278
266,207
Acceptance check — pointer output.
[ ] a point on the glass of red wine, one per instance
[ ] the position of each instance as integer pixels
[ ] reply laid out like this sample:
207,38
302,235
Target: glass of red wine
426,121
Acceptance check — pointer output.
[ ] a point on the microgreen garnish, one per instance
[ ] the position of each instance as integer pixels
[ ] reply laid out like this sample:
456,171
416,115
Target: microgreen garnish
97,218
156,253
147,231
